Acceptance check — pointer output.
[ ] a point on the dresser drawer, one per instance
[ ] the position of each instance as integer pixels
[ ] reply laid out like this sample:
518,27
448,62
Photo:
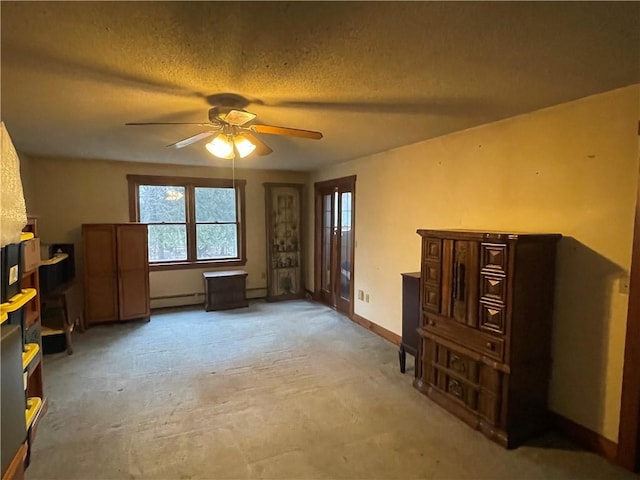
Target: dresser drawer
493,288
432,272
492,317
478,341
453,373
432,249
494,258
463,379
457,363
460,390
431,297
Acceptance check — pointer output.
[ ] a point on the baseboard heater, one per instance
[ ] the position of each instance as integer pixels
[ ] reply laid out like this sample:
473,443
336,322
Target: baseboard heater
195,298
179,295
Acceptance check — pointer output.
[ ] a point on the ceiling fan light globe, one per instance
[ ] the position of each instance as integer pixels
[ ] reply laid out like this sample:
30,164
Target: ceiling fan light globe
220,147
244,146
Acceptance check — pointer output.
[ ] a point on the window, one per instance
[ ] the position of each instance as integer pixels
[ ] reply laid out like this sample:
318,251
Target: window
193,222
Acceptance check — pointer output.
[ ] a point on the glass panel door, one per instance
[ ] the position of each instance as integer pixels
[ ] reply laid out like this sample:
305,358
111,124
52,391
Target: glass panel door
334,243
327,231
345,246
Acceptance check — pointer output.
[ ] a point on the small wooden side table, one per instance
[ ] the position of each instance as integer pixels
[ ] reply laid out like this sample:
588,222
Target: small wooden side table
410,318
225,290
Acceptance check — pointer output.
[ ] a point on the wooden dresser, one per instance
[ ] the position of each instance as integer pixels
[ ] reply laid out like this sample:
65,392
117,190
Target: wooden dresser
485,329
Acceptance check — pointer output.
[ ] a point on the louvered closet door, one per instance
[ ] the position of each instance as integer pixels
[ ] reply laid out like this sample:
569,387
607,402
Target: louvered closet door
133,271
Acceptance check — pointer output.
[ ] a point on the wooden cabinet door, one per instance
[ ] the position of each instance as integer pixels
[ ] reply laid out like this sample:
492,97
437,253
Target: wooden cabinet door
460,281
133,271
100,272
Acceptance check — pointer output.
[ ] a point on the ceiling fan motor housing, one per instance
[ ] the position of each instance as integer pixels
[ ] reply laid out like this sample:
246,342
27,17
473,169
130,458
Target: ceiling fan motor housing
230,115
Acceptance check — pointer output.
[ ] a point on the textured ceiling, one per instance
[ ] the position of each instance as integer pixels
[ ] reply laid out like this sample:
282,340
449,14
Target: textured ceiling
370,75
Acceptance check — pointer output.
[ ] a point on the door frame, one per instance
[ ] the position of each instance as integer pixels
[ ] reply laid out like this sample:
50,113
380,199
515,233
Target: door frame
346,183
628,454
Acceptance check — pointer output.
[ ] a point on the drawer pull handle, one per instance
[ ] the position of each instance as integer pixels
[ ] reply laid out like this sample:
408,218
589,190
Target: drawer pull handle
457,364
490,346
455,387
459,282
432,323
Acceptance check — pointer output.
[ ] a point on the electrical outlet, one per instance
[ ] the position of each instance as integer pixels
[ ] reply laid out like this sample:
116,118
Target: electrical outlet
623,284
360,295
366,298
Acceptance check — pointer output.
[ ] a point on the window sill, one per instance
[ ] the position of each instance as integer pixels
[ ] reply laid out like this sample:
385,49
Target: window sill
158,267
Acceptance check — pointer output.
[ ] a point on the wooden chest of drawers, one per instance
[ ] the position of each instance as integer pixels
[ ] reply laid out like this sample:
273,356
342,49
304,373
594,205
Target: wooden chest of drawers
485,328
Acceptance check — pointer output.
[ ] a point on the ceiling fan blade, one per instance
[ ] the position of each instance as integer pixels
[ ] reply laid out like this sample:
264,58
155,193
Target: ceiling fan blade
192,139
169,123
261,147
292,132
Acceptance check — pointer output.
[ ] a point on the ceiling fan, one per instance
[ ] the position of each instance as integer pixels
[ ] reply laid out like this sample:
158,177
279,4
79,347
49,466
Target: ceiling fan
233,133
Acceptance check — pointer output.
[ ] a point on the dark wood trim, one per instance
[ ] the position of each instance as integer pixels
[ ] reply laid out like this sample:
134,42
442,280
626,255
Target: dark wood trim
133,200
184,181
352,281
582,436
342,182
241,201
159,267
629,431
15,470
377,329
190,214
341,185
317,245
189,183
279,184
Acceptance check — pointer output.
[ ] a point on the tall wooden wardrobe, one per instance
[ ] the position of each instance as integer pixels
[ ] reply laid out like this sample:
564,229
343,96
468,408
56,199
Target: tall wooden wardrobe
116,272
485,328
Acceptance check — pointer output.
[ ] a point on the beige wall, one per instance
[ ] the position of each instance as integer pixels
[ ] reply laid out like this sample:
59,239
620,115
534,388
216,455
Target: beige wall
66,193
571,169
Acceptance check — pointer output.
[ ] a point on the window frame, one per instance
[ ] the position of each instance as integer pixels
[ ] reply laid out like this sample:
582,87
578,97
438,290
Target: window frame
190,184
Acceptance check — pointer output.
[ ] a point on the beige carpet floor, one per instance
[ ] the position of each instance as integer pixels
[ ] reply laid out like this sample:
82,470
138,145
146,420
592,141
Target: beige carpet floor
276,391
